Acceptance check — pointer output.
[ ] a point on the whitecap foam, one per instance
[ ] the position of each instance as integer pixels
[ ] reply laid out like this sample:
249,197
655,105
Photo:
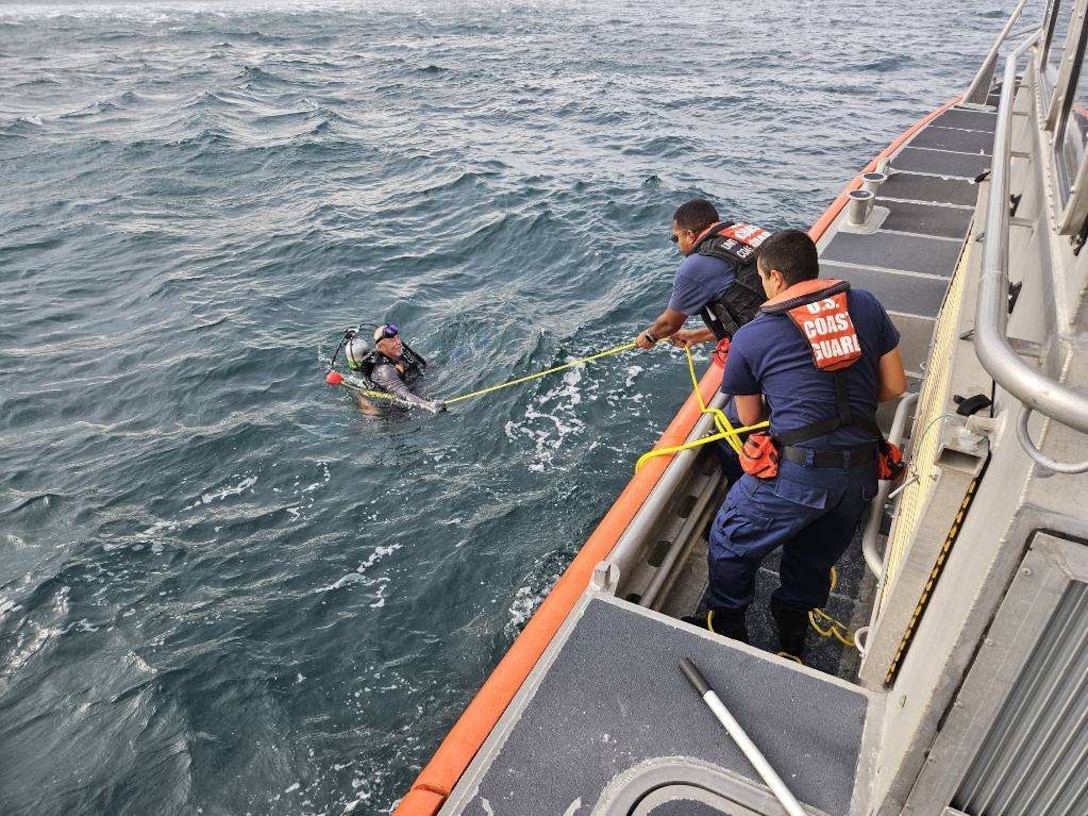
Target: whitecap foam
551,420
238,489
359,576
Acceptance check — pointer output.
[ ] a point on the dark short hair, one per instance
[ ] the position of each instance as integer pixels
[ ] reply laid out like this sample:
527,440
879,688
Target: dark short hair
695,215
792,253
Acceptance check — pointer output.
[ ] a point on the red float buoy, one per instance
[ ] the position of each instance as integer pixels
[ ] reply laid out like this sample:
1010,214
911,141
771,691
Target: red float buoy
334,378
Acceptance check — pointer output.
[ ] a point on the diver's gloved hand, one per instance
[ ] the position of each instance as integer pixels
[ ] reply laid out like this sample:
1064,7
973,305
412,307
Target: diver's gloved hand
436,406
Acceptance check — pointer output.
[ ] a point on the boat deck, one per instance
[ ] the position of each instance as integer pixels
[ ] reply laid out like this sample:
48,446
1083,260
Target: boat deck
595,725
614,700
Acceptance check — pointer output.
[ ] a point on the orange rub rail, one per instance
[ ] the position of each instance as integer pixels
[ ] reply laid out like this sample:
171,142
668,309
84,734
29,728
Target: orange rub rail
437,779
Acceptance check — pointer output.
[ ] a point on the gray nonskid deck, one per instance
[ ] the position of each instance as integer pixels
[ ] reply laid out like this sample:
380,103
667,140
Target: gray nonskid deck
910,293
941,162
955,139
929,196
895,250
940,221
614,698
929,189
967,119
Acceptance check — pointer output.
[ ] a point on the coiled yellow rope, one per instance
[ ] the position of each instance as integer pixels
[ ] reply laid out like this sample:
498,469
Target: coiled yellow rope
827,626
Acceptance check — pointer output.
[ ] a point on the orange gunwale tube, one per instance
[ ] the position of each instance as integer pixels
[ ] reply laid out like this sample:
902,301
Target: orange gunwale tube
438,778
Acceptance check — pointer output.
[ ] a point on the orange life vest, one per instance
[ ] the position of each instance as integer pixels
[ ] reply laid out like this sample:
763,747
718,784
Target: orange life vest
818,309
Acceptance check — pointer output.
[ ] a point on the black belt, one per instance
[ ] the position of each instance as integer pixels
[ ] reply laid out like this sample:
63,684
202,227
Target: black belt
849,457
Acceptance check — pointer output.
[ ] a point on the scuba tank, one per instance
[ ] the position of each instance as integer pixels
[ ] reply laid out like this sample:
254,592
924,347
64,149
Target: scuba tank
362,357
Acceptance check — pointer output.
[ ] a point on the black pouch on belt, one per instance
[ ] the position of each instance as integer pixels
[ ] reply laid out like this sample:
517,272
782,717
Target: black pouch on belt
890,465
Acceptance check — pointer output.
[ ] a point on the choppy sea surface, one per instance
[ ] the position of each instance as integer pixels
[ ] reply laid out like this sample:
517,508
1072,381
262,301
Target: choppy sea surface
223,589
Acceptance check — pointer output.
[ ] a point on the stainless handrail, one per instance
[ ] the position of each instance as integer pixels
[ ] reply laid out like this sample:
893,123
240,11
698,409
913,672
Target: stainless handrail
985,70
1028,384
873,559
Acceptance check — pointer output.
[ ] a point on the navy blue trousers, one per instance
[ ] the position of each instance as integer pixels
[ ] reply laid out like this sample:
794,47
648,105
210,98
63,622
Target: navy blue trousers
811,513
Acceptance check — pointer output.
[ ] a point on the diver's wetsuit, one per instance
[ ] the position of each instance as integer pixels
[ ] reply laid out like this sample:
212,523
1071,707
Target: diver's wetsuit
388,377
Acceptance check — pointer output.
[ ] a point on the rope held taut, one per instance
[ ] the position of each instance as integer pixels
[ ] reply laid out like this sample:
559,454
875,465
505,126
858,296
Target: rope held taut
520,380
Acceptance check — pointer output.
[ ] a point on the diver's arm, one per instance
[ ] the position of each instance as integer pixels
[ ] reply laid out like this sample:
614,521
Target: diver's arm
386,378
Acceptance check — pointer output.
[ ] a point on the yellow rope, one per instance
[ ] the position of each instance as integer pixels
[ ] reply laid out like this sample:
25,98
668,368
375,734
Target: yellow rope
721,421
725,428
832,628
564,367
729,434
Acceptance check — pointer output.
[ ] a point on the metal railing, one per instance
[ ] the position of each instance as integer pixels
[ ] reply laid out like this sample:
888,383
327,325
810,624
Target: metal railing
980,85
873,558
1032,386
629,547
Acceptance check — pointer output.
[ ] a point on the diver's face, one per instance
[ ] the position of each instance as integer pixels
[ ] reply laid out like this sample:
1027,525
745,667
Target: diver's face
391,346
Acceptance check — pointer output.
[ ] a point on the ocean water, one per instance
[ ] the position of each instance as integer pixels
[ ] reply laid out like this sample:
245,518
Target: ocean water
224,590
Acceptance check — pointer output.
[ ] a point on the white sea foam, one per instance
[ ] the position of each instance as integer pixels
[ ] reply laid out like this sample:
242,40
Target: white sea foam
359,577
245,484
526,600
552,420
8,605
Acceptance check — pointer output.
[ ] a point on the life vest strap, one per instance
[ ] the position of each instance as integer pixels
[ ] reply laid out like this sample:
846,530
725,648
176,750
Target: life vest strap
818,310
825,426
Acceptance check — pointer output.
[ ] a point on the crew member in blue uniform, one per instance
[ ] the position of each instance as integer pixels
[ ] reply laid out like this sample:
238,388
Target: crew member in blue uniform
818,360
717,278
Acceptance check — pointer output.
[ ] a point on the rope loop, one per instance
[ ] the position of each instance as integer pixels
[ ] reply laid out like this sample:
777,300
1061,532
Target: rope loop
725,428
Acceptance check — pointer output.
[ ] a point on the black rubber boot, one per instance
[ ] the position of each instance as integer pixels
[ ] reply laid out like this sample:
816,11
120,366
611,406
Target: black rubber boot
729,623
792,628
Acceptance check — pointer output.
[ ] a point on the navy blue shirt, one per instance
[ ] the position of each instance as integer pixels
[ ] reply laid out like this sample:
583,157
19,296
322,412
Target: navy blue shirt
770,356
699,280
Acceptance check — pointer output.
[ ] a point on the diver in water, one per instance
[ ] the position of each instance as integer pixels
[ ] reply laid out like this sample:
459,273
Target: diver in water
390,365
